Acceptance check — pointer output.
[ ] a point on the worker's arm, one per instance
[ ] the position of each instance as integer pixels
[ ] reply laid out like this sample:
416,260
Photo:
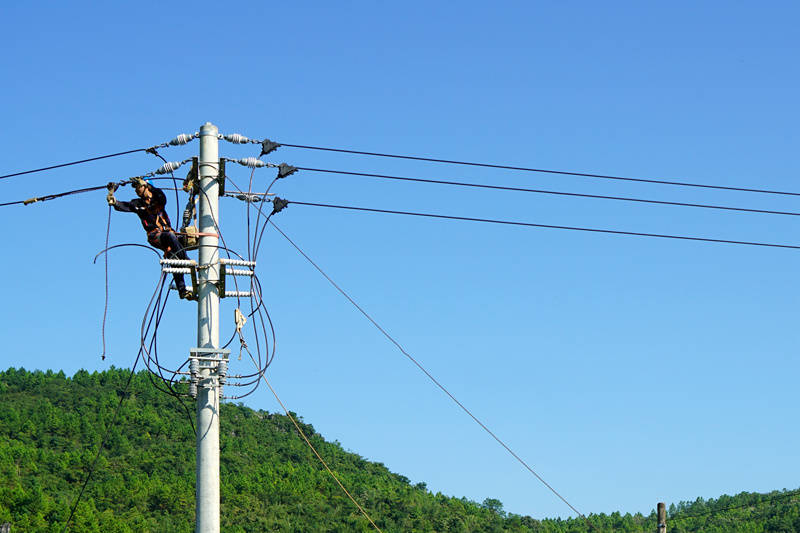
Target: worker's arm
126,207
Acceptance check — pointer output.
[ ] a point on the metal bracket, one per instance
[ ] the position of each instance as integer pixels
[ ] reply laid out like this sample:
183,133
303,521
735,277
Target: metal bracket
213,359
221,176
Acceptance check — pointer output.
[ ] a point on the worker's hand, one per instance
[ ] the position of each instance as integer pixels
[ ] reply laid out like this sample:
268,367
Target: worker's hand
110,198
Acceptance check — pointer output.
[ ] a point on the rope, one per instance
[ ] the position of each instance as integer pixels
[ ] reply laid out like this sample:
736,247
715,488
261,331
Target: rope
430,376
105,305
321,460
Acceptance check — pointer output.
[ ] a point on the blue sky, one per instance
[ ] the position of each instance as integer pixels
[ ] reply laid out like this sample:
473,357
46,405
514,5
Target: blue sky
625,370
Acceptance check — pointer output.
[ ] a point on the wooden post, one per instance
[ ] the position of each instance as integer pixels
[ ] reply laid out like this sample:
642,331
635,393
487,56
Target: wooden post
661,514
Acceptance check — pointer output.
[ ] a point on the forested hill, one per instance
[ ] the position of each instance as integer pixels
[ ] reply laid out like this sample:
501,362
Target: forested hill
51,427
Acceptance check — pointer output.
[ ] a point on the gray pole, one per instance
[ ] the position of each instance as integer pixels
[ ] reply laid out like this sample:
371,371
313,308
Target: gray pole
207,489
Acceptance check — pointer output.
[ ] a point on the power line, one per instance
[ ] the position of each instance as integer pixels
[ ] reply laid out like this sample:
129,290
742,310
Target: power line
73,163
542,170
548,226
544,191
181,139
46,197
425,371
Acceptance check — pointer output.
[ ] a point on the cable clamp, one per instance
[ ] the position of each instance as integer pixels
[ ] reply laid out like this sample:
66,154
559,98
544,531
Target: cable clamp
268,146
285,170
278,205
30,201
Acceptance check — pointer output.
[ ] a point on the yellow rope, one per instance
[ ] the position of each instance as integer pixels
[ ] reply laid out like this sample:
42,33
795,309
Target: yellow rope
321,460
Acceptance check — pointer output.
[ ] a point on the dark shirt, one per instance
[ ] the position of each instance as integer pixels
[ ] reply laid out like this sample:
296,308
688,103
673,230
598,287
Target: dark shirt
152,214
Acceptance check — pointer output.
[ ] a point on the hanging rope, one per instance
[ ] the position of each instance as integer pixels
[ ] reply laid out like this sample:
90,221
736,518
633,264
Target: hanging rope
105,306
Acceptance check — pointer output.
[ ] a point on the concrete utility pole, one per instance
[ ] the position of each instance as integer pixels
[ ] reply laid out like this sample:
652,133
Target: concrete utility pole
661,513
207,291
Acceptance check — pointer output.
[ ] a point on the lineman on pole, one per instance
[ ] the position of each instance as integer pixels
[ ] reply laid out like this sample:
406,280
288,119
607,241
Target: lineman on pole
150,207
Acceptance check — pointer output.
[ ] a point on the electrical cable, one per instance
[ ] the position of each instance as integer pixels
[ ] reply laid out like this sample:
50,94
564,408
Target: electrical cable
181,139
105,305
102,444
544,191
547,226
428,374
108,429
543,171
73,163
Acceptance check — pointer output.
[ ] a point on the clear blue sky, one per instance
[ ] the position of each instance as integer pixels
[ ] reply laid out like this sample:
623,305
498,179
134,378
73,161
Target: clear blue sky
626,370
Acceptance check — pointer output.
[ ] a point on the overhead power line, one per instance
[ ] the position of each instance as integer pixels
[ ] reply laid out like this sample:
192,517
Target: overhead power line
539,170
548,226
544,191
73,163
181,139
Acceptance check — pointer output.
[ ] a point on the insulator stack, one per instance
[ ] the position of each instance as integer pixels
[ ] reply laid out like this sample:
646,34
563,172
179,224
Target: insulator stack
237,294
236,138
252,162
178,262
222,370
193,389
236,262
172,166
238,272
171,270
182,139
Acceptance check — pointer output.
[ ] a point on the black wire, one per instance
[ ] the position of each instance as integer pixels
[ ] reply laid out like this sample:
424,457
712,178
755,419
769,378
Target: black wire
542,170
105,304
543,191
549,226
74,163
102,443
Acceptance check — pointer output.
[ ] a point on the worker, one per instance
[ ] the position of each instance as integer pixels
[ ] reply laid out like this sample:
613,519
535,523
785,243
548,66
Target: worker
150,206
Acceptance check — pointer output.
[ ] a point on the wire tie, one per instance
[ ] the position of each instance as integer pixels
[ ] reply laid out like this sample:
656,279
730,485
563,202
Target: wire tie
31,201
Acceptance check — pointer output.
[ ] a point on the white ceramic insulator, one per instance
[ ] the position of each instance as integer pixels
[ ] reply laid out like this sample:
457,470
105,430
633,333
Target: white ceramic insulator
182,139
239,272
177,262
252,162
237,262
237,138
193,390
237,294
166,168
171,270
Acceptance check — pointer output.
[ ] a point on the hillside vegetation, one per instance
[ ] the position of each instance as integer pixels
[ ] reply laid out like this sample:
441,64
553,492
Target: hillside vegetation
51,426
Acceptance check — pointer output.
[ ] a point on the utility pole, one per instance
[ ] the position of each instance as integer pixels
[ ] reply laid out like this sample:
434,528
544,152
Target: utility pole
661,515
207,292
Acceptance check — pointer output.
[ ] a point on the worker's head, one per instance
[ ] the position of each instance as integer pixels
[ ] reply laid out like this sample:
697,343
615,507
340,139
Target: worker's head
142,189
